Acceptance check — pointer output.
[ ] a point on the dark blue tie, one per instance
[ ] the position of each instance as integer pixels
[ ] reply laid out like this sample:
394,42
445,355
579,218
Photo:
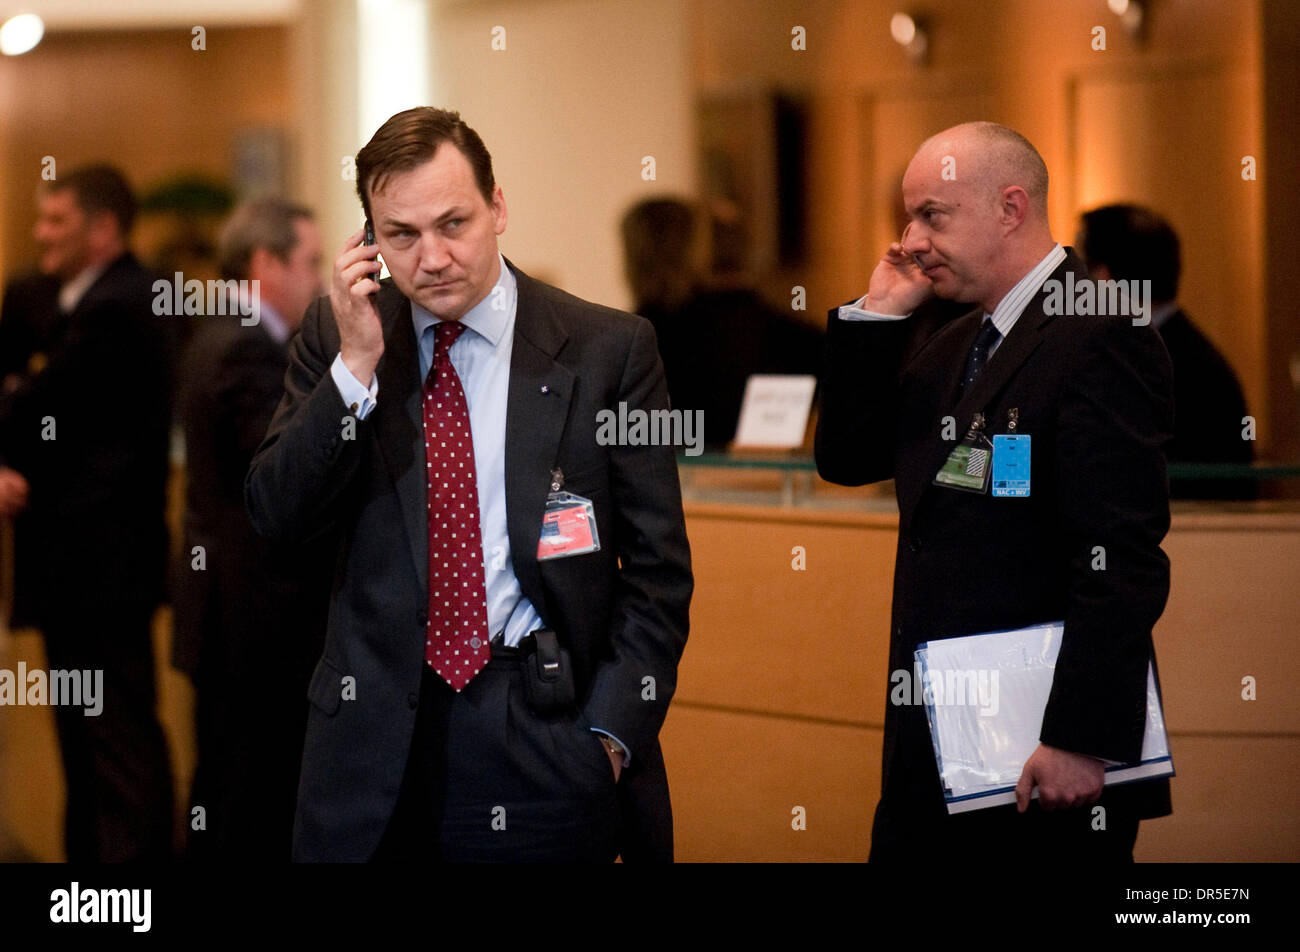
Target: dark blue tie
979,353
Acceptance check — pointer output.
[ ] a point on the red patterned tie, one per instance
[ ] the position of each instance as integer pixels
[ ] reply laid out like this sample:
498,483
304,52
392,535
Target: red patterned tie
457,639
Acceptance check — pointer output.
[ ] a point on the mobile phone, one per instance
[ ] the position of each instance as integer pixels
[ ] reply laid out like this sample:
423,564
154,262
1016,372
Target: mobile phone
369,239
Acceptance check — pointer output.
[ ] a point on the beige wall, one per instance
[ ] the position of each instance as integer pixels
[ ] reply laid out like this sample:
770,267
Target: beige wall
583,91
324,67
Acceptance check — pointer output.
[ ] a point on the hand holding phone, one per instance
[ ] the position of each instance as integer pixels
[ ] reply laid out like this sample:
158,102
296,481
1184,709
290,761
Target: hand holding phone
897,285
353,301
369,239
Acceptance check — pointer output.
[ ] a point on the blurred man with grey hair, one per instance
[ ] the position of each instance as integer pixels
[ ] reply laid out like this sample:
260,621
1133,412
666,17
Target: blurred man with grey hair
249,616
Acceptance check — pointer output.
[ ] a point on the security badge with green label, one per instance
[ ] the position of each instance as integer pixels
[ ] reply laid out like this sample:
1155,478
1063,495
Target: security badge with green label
975,460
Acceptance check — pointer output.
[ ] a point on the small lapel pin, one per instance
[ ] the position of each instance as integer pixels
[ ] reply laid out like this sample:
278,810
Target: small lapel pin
545,388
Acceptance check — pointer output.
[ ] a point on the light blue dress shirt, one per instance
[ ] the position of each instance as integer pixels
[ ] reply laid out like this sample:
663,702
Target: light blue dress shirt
481,356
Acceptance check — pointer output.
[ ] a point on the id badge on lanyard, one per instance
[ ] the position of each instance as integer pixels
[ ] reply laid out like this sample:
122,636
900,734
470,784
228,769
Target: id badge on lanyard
969,465
568,524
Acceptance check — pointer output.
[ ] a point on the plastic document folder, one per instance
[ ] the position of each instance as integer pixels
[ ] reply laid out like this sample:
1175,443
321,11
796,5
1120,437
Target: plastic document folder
984,696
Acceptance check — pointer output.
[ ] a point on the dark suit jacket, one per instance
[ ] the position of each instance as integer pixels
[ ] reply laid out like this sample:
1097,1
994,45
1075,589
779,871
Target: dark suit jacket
29,318
249,626
1095,395
233,380
1210,405
622,611
96,510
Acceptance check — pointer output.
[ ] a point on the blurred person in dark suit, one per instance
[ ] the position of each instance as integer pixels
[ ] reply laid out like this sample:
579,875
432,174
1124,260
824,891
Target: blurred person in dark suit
711,338
84,444
250,616
29,316
1128,242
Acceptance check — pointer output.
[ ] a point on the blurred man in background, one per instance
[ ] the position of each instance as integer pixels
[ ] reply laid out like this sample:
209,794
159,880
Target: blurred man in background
84,440
711,338
1129,242
28,318
250,616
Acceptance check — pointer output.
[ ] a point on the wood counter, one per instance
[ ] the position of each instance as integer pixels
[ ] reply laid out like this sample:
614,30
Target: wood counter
781,698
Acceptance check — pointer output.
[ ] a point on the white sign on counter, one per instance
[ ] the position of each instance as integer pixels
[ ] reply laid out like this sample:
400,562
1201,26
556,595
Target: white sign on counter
775,410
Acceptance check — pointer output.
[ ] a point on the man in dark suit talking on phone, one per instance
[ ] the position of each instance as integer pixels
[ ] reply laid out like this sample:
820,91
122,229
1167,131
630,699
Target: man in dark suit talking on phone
1088,396
488,690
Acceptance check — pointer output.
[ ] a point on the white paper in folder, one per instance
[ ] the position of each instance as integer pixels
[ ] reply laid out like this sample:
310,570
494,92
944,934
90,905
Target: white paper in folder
984,697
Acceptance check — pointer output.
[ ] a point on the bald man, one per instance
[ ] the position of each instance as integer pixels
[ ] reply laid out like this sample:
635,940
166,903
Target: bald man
1093,394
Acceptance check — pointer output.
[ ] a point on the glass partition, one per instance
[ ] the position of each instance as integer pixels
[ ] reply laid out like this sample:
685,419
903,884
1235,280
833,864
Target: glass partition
792,481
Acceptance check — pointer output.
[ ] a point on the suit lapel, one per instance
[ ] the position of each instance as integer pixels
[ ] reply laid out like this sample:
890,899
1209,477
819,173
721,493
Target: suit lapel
399,427
1001,367
541,391
950,346
104,284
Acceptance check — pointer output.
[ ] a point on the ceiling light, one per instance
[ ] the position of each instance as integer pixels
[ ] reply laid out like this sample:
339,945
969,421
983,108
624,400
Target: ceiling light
20,34
911,34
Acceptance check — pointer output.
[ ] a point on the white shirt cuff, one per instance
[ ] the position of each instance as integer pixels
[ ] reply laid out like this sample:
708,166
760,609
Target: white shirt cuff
358,398
856,312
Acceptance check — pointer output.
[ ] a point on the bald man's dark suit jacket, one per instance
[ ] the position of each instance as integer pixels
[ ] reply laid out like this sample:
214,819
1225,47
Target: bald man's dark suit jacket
621,611
1095,393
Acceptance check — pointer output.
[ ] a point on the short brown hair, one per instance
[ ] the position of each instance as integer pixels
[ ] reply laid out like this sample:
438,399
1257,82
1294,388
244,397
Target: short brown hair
411,138
262,223
100,188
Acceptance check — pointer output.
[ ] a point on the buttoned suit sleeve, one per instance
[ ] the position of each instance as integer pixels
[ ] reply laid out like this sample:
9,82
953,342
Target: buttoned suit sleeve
857,424
631,689
313,447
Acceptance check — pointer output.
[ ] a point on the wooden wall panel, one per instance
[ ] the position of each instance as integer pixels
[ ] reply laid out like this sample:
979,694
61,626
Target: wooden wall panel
766,637
736,779
1173,139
